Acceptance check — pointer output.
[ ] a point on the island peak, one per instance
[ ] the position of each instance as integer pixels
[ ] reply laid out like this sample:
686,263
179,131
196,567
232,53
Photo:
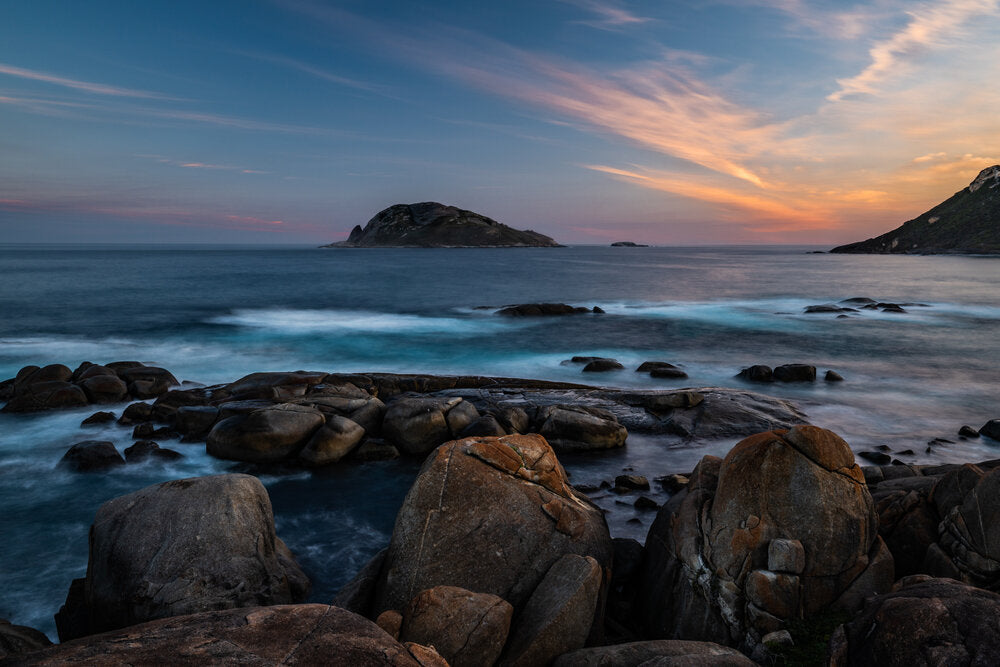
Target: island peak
435,225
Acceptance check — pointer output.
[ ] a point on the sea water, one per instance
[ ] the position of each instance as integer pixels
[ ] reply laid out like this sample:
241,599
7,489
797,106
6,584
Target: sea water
213,314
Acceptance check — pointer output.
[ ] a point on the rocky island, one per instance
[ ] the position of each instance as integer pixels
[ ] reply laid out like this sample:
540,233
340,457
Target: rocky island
967,223
434,225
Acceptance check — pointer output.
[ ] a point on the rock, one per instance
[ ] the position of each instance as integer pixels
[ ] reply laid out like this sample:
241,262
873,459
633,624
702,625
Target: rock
147,381
626,483
645,503
416,425
98,418
991,429
332,442
656,652
466,628
541,309
859,301
103,388
375,449
927,622
970,532
628,244
265,435
559,614
358,594
150,430
487,425
795,373
44,389
732,413
708,572
194,421
602,366
668,373
146,449
826,308
91,456
303,634
17,639
434,225
490,515
136,413
833,376
758,373
647,366
214,547
878,458
673,483
572,428
276,386
968,432
391,621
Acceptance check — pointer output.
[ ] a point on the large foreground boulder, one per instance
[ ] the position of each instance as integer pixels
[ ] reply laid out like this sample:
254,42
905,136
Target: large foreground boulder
925,622
181,547
307,634
491,515
782,528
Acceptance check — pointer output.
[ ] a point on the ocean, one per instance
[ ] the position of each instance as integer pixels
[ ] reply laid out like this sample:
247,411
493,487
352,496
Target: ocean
212,314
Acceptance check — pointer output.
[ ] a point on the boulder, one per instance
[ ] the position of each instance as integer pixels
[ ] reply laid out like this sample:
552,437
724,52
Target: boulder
758,373
98,418
602,366
732,414
648,366
468,629
136,413
91,456
925,621
264,435
559,614
969,534
487,425
722,559
302,634
490,515
332,442
17,639
991,429
44,389
214,547
668,373
147,381
147,449
279,386
578,428
358,594
103,387
659,652
419,424
833,376
541,309
194,421
795,373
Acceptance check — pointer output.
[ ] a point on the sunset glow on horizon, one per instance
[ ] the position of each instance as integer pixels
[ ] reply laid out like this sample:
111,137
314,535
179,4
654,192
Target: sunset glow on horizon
291,121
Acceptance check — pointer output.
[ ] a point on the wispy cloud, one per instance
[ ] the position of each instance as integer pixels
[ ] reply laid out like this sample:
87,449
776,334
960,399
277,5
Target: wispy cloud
319,72
931,25
610,15
75,84
186,164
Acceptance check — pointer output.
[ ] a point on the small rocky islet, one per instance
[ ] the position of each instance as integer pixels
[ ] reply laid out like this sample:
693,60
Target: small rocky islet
783,546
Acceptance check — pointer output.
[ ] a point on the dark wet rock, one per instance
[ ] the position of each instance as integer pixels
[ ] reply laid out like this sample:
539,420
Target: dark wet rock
925,621
655,653
264,435
647,366
673,483
98,418
968,432
276,386
559,614
758,373
148,430
628,244
418,424
602,366
833,376
92,456
195,421
136,413
991,429
103,388
17,639
573,428
827,308
891,308
668,373
375,449
795,373
578,359
449,530
969,533
332,442
358,594
541,309
44,388
628,483
214,548
731,413
487,425
301,634
878,458
147,381
147,449
858,301
645,503
468,629
711,571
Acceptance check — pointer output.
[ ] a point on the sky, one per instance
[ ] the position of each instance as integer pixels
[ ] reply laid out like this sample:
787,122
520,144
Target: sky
292,121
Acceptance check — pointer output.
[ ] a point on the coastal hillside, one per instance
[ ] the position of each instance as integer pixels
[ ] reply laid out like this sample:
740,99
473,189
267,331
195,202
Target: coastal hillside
434,225
967,223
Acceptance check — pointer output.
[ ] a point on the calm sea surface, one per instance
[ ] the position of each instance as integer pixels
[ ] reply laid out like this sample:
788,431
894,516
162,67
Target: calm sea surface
213,314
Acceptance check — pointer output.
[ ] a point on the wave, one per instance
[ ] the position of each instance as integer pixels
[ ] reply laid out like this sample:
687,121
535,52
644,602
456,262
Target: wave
301,321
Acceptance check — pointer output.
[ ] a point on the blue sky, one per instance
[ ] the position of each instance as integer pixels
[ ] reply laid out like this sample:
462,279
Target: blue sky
291,121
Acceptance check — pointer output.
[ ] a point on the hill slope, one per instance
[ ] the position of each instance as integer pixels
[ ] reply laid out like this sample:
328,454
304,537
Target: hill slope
434,225
968,222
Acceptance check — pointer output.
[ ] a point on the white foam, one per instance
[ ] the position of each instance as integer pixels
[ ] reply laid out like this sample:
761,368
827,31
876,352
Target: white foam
299,321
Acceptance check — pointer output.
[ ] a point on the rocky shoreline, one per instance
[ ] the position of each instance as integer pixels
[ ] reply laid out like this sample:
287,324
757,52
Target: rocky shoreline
783,546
